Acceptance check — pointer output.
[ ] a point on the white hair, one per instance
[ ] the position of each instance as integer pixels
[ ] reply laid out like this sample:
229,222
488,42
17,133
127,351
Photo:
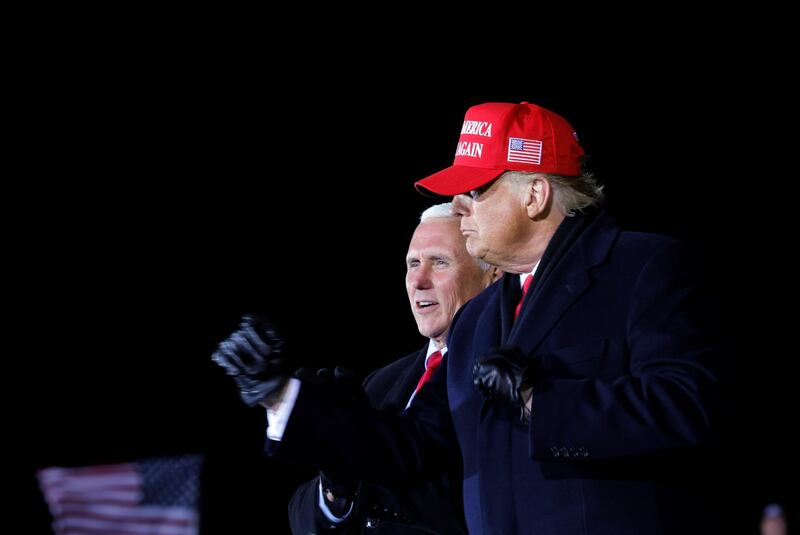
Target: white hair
446,210
437,210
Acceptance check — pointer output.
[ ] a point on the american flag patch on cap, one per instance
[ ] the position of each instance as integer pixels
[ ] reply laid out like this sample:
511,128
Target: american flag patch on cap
524,150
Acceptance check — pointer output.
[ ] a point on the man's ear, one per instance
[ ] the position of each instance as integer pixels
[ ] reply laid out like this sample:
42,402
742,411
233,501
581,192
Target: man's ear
538,197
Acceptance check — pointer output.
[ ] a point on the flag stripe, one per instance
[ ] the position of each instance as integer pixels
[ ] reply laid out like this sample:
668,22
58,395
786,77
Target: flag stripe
120,498
72,482
119,526
175,515
101,469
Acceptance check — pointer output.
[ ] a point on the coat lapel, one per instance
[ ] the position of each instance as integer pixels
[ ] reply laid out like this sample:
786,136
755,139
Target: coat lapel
407,381
564,281
511,293
495,321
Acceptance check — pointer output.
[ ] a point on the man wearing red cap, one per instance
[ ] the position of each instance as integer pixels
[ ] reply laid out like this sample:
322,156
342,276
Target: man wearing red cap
594,399
581,388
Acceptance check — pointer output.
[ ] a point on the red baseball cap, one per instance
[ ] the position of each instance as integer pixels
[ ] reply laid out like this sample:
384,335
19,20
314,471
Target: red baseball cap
497,137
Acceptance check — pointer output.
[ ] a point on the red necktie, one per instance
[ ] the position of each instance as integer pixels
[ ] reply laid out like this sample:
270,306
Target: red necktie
431,364
525,286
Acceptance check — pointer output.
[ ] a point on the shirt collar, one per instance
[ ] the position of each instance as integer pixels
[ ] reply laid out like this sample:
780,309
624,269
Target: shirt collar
431,350
523,276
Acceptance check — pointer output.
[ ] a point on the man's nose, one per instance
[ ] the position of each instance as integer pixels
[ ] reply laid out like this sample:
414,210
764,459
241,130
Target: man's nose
462,205
421,277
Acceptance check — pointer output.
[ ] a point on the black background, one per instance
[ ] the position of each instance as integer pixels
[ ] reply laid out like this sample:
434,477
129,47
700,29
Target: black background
164,193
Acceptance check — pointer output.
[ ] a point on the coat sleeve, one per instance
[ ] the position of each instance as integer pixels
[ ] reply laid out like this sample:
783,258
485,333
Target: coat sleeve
376,446
668,395
305,515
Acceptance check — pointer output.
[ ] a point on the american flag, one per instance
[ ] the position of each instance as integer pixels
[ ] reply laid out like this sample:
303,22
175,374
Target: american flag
156,496
524,150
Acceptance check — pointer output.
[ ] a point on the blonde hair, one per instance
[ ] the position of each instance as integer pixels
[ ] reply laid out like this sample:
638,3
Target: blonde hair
571,193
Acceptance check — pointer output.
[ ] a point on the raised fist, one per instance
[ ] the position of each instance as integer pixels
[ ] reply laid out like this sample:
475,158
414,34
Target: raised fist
254,355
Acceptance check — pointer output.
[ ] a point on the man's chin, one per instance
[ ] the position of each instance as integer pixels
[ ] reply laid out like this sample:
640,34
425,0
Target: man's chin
474,249
429,331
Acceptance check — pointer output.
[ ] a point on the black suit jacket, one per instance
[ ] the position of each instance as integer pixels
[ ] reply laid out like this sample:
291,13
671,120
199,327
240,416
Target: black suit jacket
433,506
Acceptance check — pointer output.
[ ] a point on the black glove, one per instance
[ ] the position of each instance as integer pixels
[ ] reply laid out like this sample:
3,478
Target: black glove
339,493
255,356
503,374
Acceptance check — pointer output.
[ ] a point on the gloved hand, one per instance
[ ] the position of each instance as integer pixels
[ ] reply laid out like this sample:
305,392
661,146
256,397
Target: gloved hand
339,493
503,374
254,355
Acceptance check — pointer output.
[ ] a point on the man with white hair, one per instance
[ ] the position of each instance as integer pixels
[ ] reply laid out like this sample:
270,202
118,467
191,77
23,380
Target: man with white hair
440,278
